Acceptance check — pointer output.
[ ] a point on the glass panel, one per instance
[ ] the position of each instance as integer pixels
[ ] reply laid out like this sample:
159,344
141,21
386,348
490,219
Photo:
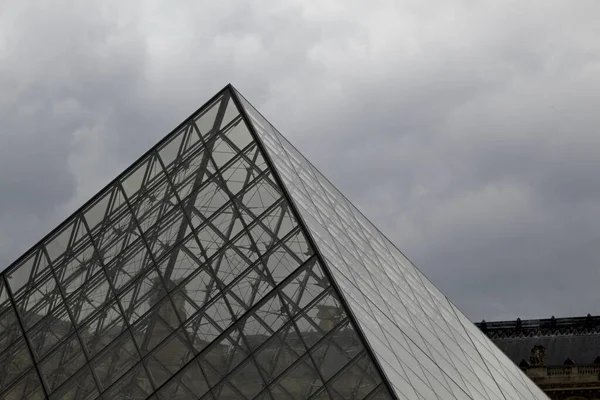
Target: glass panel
279,353
237,174
271,314
154,205
223,151
172,149
250,287
336,350
212,320
80,386
73,272
206,242
238,135
223,356
257,120
265,395
191,174
62,363
288,256
97,212
244,382
135,385
300,382
14,362
168,358
89,298
262,238
235,259
259,197
194,293
50,331
182,261
33,269
254,155
357,380
111,240
59,243
133,181
159,323
226,222
231,112
205,121
306,285
102,329
106,209
19,275
39,301
3,294
10,330
167,234
321,316
202,204
279,220
115,360
153,176
142,295
28,387
188,383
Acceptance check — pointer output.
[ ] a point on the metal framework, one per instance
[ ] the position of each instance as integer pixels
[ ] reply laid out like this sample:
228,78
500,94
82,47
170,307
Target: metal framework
223,265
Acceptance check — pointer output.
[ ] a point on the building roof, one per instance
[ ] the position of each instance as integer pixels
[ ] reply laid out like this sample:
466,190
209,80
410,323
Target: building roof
577,339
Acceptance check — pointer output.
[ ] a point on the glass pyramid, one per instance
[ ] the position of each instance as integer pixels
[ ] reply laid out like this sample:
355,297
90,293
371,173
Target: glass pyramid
223,265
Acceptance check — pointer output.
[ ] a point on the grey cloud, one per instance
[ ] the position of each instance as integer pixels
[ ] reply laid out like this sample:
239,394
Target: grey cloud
479,161
467,132
61,77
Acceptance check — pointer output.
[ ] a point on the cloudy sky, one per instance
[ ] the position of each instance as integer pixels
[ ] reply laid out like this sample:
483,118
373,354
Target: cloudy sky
468,131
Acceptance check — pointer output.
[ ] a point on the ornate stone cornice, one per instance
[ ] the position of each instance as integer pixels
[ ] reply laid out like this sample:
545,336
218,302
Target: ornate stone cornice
541,327
562,381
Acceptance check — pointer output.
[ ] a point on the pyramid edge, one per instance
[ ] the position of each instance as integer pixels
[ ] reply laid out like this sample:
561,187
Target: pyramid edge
12,265
235,97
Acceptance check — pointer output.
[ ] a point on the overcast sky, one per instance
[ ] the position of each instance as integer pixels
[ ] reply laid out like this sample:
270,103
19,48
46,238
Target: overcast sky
468,131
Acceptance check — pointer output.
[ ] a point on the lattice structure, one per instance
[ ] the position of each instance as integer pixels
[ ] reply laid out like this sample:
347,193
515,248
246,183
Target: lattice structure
223,265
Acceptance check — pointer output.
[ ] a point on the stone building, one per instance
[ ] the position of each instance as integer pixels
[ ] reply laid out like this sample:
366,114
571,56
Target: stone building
561,355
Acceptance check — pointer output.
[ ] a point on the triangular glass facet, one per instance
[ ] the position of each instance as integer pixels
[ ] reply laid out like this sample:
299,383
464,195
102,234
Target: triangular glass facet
223,265
387,295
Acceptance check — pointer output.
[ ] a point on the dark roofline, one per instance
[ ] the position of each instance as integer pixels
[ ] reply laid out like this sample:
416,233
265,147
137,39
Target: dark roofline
541,327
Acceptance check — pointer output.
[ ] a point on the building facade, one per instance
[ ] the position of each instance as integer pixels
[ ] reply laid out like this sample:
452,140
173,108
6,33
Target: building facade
223,265
561,355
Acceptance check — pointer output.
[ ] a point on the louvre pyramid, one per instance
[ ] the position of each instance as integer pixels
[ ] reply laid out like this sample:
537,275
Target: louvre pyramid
223,265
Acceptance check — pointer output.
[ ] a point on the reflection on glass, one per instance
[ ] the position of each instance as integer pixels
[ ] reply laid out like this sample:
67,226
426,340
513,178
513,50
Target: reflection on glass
361,259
